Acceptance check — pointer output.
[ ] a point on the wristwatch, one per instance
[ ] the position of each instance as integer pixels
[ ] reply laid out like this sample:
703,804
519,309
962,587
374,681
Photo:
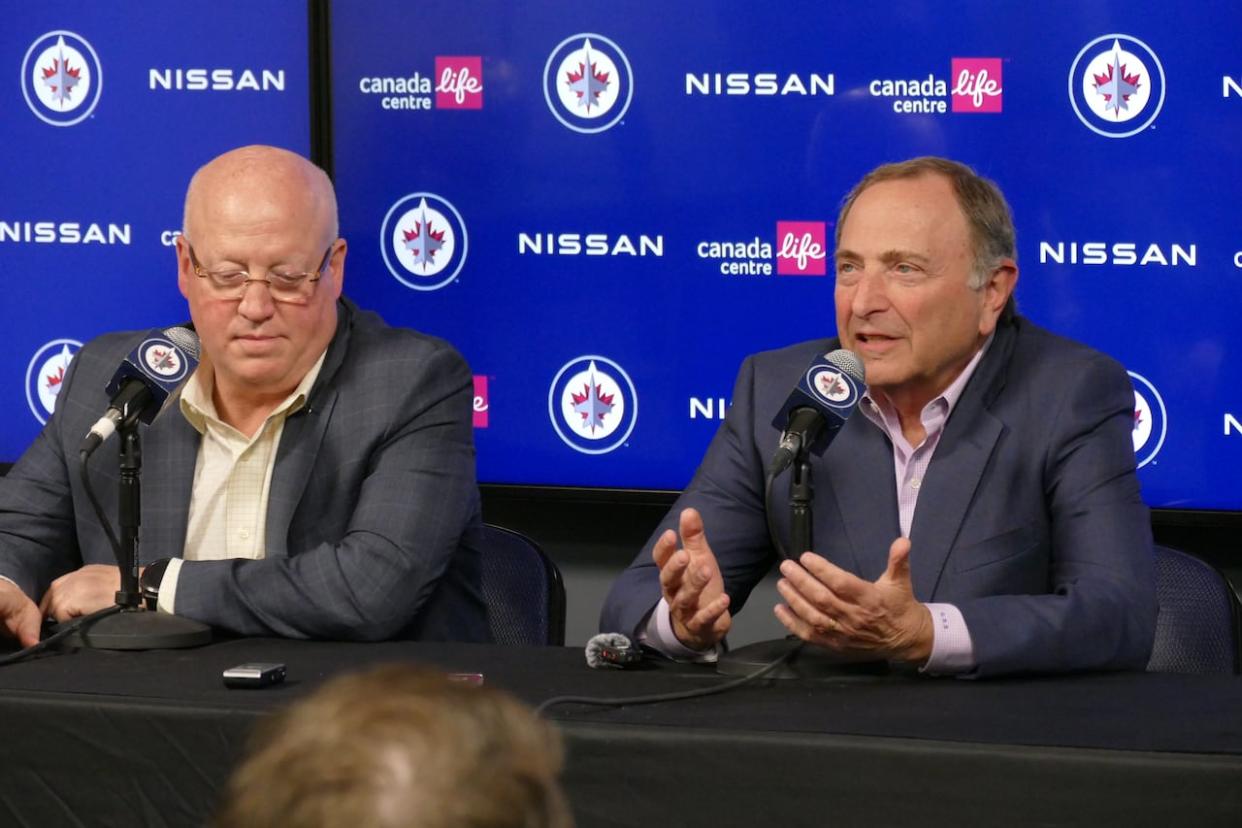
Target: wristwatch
149,583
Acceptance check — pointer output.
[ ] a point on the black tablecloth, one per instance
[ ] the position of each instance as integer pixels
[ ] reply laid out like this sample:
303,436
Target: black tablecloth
88,734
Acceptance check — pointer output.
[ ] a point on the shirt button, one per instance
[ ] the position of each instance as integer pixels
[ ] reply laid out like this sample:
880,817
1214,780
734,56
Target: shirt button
915,483
244,534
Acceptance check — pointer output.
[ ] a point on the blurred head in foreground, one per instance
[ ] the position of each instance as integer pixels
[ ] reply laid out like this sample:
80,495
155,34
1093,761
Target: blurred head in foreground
398,747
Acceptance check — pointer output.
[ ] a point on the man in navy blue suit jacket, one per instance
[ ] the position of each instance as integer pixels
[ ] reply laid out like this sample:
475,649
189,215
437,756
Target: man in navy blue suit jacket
979,514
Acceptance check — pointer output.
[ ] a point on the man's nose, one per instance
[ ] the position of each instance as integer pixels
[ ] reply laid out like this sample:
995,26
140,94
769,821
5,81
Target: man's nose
256,302
870,294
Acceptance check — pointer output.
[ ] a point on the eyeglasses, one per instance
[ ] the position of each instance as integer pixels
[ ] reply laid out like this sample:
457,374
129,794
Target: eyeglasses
292,287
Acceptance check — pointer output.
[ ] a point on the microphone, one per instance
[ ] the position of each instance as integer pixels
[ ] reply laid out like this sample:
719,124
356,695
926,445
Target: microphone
612,650
825,396
144,380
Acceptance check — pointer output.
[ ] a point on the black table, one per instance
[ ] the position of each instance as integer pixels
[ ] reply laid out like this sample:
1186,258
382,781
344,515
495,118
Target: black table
87,735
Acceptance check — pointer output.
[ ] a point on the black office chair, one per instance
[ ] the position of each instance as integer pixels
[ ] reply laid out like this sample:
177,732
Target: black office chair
523,589
1197,625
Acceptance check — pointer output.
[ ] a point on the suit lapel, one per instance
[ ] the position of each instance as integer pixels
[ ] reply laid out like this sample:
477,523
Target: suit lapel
301,438
170,455
957,468
860,465
299,448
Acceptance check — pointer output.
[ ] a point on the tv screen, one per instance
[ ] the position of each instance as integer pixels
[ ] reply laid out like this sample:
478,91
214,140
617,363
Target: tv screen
606,211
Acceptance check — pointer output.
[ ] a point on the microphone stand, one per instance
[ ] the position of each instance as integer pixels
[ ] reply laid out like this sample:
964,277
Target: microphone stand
809,661
129,513
801,492
135,627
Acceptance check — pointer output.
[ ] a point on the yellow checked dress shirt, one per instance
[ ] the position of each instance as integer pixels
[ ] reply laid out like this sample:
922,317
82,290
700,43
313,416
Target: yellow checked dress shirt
232,478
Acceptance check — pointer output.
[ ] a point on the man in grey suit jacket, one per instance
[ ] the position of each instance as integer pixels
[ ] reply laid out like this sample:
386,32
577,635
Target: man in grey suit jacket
998,455
318,479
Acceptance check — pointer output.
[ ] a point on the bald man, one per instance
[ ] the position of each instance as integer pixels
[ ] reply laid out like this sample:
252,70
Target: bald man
316,479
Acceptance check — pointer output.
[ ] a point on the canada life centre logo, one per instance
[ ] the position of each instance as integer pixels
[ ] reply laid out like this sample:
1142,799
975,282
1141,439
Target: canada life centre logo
592,404
801,250
423,241
1116,86
588,83
1151,422
61,78
45,375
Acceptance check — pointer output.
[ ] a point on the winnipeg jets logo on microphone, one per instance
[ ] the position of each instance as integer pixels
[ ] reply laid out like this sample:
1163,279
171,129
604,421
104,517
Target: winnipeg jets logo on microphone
834,388
817,407
144,380
161,360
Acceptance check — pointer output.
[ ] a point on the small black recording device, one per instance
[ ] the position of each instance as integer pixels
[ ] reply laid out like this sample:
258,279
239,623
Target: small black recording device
254,674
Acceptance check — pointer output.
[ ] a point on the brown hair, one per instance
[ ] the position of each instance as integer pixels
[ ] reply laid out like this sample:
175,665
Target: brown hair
397,747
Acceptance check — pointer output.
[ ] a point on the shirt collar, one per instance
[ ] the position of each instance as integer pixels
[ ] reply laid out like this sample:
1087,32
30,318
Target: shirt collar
198,407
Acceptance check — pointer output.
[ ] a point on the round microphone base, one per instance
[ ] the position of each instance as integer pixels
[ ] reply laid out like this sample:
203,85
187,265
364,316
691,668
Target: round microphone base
140,629
809,662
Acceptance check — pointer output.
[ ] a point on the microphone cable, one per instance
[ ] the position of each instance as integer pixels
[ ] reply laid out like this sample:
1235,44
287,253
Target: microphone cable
652,698
64,631
774,535
82,621
83,459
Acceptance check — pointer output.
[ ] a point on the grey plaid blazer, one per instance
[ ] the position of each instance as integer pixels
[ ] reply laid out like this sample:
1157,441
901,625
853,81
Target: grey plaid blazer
373,524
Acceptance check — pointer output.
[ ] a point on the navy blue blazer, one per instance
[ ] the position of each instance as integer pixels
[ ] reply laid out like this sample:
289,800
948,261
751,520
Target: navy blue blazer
373,522
1029,518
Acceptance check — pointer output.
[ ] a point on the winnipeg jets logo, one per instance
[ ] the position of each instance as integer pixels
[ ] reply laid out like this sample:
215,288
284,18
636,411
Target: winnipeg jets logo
592,404
830,385
162,360
423,241
61,78
587,83
1116,86
833,387
1150,420
45,375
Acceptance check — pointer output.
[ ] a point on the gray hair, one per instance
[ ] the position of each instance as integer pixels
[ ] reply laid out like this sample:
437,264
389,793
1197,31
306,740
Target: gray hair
992,234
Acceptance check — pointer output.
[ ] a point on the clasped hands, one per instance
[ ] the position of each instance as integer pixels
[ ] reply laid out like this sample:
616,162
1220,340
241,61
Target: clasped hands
825,605
81,592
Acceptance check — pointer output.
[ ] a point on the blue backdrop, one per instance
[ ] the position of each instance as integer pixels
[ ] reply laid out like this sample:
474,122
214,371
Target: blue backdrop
1111,126
607,210
113,113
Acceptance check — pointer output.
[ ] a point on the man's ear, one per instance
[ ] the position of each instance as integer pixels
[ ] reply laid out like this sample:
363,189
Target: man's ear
996,292
338,267
185,270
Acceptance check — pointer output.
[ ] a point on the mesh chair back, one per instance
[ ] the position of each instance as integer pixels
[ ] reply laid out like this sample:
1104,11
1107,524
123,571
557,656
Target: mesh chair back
1197,625
523,589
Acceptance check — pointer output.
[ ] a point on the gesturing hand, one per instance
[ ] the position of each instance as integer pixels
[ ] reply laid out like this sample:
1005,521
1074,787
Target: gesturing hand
692,585
830,607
